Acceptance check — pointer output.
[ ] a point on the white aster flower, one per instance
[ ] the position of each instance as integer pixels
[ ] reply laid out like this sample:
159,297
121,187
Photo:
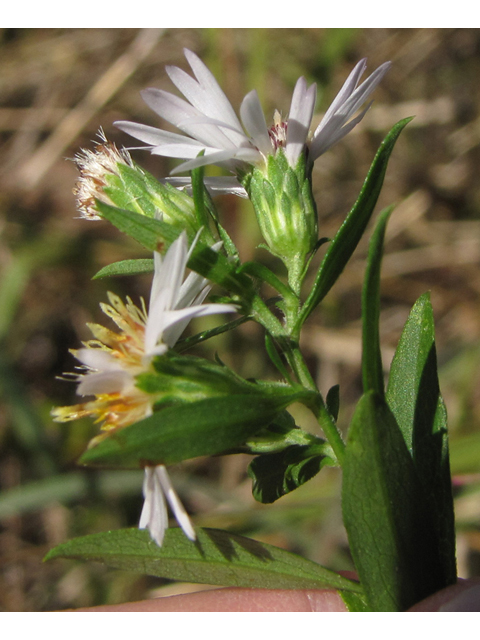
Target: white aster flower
211,125
112,361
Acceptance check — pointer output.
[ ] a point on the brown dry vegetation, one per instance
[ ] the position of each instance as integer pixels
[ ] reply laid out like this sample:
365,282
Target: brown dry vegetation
57,87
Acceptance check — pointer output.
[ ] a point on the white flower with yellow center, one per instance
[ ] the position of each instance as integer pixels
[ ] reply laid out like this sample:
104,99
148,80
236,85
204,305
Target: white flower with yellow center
212,126
112,361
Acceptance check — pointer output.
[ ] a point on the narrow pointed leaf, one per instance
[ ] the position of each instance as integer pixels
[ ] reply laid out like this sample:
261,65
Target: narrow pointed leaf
348,236
390,528
152,234
126,268
217,558
198,193
372,370
180,432
414,397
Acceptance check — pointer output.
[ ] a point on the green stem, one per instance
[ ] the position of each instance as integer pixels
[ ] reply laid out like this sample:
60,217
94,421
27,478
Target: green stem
318,408
289,346
329,428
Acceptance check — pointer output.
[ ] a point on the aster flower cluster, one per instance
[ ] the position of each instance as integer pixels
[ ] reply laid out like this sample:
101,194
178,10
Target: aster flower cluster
271,165
211,125
157,404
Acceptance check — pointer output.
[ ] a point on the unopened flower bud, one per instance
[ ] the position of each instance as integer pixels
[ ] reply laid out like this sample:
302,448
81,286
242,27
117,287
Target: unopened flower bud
285,209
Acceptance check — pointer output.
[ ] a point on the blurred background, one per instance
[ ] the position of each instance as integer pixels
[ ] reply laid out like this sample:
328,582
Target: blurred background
57,87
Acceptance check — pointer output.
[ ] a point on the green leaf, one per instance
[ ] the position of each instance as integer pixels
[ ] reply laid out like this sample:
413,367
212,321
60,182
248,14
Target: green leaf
275,356
332,401
152,234
264,274
390,529
199,195
372,369
217,558
414,397
348,236
217,268
126,268
206,427
187,343
276,474
355,602
129,190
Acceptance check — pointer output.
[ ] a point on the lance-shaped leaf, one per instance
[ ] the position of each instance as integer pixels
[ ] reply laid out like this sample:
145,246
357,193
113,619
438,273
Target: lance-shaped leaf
157,235
372,369
348,236
126,268
206,427
386,514
414,397
152,234
217,557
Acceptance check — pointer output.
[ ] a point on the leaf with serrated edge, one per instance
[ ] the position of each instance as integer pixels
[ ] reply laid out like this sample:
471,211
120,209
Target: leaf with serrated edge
217,558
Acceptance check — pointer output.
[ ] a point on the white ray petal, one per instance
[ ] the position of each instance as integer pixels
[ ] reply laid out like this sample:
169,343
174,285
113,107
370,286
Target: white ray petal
254,122
154,516
150,135
348,87
181,317
105,382
218,157
189,149
216,184
299,119
168,106
217,104
177,507
97,359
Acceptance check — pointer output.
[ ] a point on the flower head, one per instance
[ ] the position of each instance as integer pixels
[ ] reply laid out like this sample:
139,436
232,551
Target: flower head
95,167
112,361
211,125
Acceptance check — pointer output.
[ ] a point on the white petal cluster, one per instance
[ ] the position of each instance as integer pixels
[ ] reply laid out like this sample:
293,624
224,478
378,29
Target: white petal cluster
211,125
174,302
154,517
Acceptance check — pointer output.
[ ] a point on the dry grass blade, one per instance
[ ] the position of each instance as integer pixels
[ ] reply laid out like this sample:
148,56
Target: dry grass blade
74,121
